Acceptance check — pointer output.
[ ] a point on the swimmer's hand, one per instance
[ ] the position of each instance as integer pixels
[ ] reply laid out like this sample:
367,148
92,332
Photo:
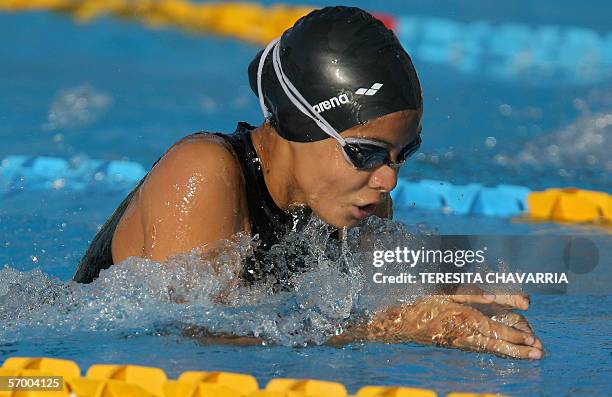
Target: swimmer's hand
497,306
441,321
471,294
203,336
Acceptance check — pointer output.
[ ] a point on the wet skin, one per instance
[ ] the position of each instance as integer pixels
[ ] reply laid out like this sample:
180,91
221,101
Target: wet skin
195,194
195,197
317,174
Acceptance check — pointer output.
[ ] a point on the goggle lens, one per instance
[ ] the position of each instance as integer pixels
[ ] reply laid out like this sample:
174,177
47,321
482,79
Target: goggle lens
368,156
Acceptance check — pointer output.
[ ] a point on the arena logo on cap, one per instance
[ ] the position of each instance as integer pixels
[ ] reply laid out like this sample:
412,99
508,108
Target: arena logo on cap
369,91
343,98
331,103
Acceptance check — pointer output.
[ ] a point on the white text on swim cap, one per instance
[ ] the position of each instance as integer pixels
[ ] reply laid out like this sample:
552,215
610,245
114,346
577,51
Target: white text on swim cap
331,103
343,98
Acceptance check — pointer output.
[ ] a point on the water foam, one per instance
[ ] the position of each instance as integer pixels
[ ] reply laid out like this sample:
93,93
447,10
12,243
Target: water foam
197,290
583,144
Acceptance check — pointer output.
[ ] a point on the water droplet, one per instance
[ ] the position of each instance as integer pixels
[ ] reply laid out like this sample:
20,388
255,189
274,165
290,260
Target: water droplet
490,142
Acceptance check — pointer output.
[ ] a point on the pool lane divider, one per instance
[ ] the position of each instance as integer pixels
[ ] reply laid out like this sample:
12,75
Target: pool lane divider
32,173
505,50
566,205
250,22
108,380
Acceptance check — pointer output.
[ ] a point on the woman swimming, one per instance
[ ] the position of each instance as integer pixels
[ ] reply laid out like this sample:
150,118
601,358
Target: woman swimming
343,108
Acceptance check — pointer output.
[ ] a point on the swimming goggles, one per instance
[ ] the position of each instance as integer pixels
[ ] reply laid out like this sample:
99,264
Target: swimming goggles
364,154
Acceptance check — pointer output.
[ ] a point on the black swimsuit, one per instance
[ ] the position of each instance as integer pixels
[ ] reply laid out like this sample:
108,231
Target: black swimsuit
268,221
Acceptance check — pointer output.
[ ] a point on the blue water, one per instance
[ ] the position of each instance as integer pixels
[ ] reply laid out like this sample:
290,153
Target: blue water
540,128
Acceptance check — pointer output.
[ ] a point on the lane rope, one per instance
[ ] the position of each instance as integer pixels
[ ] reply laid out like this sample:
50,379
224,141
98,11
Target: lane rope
141,381
23,174
506,51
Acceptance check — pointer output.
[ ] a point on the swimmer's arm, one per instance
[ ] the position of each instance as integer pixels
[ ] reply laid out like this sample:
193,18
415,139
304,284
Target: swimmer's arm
191,199
205,337
440,321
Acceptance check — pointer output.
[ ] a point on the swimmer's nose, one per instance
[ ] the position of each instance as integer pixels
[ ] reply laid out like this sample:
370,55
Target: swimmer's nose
383,179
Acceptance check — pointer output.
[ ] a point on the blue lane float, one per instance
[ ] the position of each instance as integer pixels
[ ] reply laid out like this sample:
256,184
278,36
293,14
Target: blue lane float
510,51
24,173
34,173
471,199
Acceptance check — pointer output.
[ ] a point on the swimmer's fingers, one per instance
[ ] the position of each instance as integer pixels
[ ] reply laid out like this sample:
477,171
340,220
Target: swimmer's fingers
509,318
470,294
519,322
502,339
516,301
493,329
512,319
504,315
501,347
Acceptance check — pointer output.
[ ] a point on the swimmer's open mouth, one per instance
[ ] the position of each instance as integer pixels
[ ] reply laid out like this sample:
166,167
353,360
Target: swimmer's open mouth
363,211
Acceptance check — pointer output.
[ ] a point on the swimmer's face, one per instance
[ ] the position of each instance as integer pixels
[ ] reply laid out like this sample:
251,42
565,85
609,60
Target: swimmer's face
337,192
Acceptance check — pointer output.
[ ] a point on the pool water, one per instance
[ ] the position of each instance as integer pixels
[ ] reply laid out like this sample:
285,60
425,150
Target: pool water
114,90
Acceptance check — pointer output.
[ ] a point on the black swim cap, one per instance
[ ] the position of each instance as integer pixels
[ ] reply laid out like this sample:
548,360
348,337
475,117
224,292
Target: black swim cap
346,64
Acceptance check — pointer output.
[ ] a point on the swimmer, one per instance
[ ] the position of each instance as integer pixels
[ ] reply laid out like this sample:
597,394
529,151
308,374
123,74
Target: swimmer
343,107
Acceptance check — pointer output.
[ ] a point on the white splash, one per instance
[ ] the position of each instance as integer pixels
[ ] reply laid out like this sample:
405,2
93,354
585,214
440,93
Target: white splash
77,107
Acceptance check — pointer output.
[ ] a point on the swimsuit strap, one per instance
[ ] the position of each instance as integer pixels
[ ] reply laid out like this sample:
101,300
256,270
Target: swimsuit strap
267,219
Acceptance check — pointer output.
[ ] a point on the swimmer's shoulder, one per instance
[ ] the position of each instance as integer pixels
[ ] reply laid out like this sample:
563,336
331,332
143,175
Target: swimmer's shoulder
200,153
204,161
199,173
